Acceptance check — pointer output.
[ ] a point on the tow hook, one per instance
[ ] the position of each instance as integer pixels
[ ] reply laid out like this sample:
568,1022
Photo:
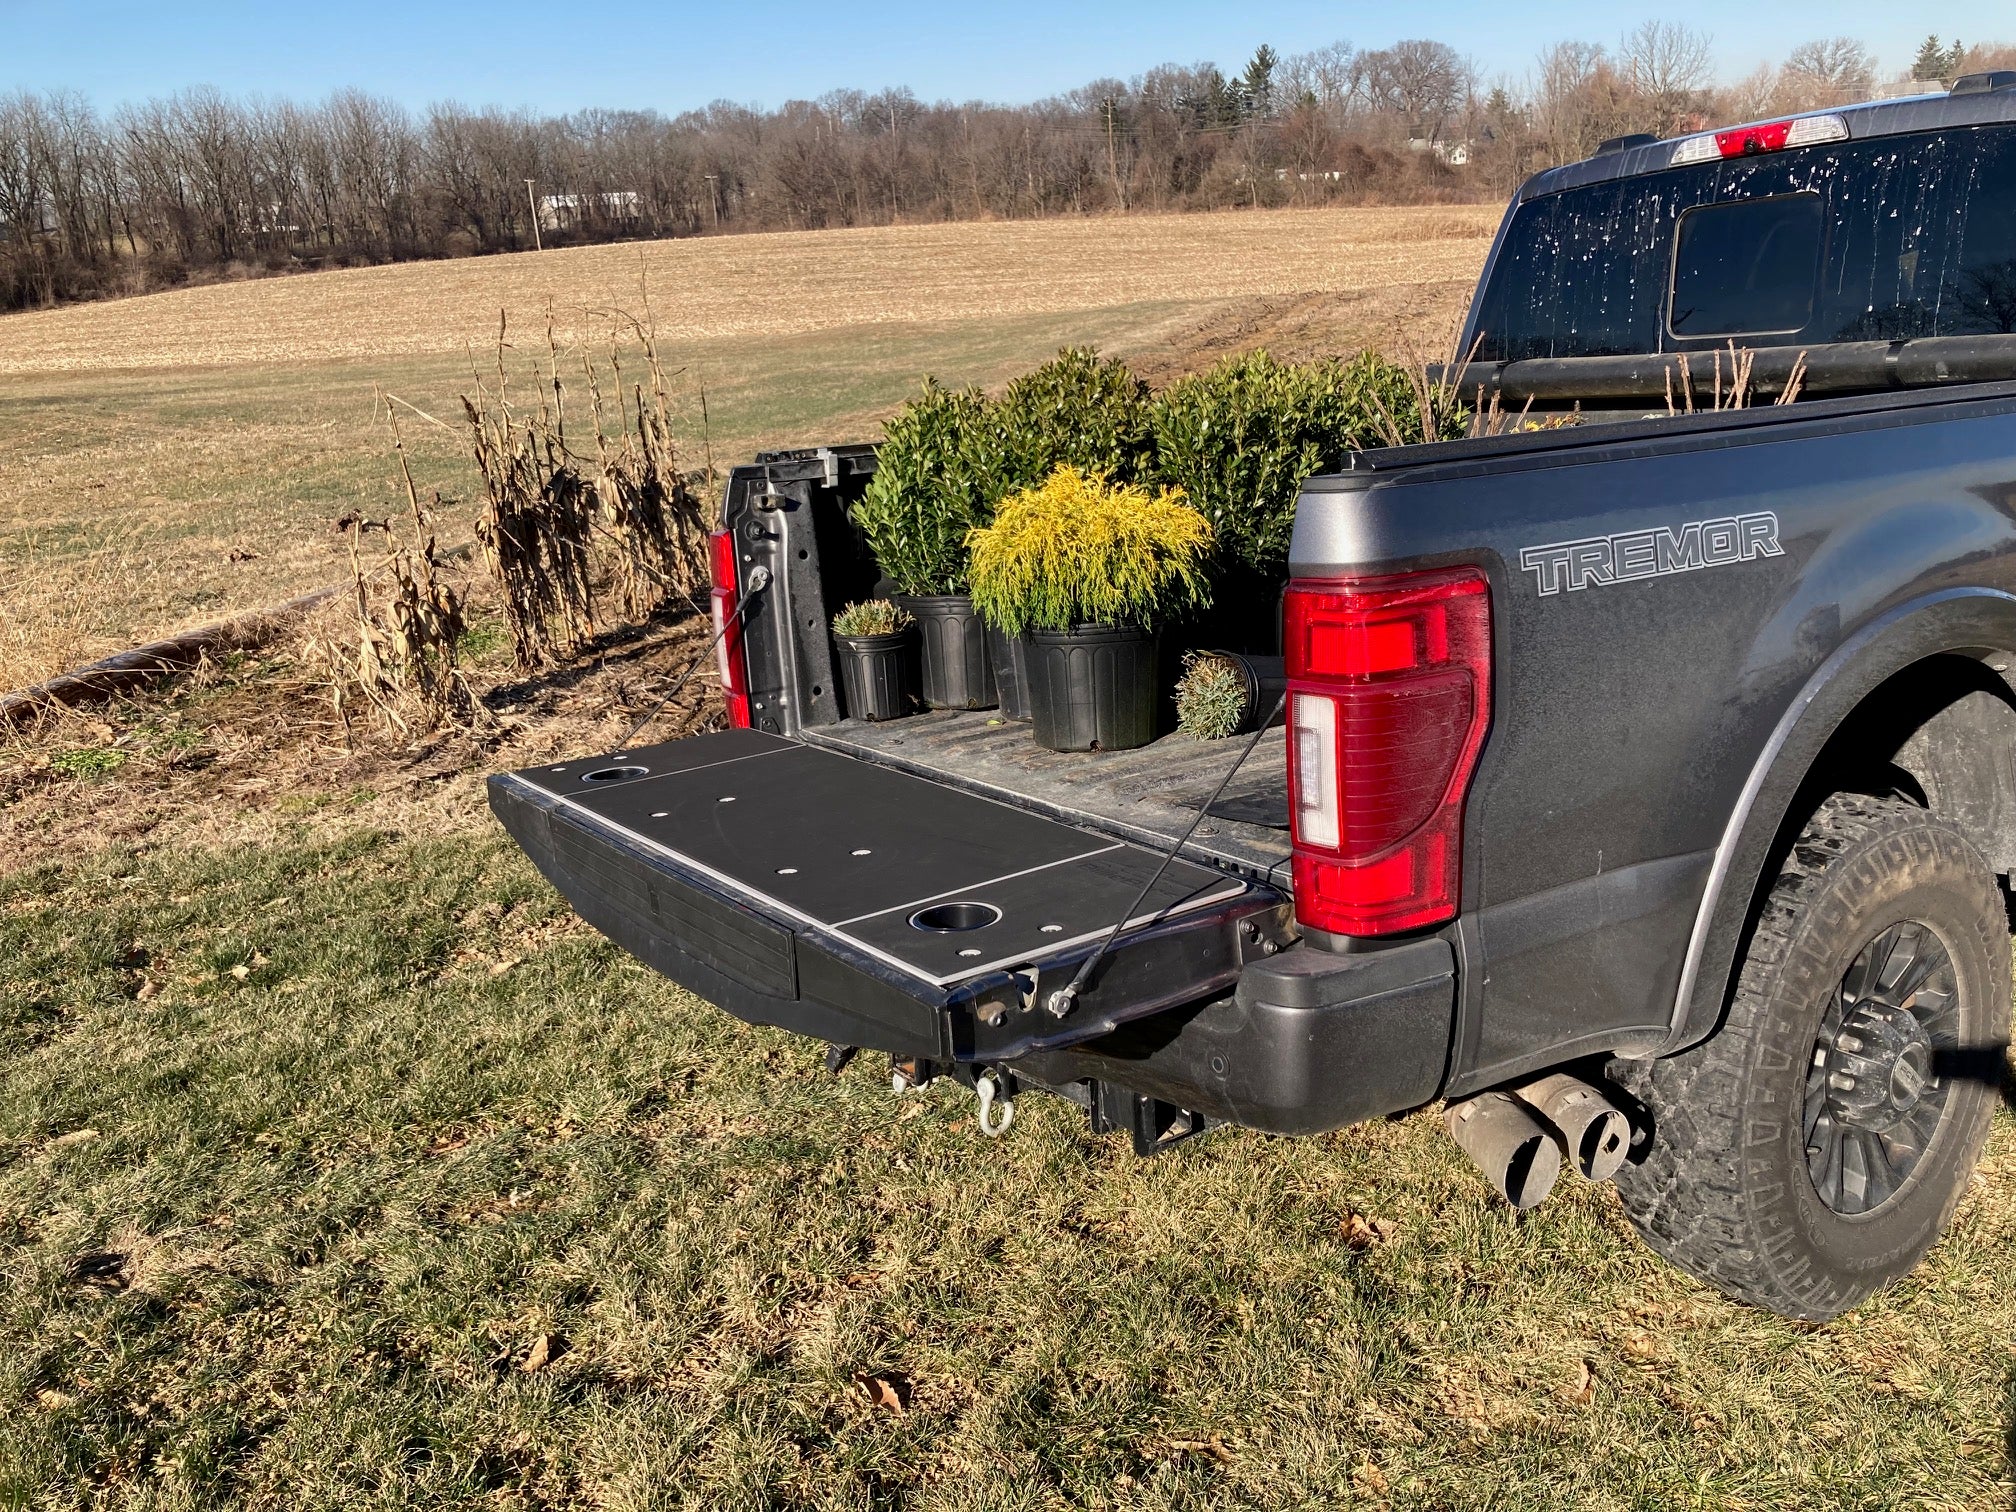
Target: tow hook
988,1087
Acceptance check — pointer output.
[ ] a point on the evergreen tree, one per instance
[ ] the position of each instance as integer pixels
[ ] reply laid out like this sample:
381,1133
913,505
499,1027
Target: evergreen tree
1935,63
1258,81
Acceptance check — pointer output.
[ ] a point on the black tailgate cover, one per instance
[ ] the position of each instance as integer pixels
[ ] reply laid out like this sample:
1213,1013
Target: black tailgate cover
936,885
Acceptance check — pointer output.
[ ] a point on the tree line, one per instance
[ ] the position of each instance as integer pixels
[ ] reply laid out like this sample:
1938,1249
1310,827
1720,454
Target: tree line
202,186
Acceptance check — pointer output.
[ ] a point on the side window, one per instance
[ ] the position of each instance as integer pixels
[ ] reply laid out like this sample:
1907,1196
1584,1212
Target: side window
1746,267
1982,293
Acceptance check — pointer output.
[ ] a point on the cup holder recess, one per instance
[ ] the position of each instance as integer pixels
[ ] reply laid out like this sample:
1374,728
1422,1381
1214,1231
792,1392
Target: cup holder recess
955,918
615,773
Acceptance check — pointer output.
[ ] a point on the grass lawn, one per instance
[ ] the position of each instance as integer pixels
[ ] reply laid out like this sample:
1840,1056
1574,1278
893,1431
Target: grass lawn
312,1148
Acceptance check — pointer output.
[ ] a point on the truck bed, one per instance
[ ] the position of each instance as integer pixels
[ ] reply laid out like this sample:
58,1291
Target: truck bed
1149,795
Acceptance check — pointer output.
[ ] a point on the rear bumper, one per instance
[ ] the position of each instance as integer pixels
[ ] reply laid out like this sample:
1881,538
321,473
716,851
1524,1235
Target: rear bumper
1204,1009
1309,1041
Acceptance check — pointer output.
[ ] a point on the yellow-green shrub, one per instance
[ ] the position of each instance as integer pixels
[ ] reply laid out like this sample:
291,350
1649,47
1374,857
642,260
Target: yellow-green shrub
1082,550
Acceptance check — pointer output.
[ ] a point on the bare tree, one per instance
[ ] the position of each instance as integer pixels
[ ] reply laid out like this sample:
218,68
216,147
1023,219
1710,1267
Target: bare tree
1423,84
1668,66
1749,98
1326,78
1579,99
1831,71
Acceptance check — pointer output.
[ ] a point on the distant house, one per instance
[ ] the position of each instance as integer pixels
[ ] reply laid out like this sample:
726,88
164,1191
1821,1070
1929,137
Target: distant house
1455,154
562,212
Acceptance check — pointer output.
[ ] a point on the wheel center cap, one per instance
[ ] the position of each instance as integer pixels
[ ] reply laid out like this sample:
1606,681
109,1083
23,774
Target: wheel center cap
1879,1067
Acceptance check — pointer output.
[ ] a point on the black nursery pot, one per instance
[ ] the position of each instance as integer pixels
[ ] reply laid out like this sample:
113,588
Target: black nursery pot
1010,656
1093,687
957,672
875,674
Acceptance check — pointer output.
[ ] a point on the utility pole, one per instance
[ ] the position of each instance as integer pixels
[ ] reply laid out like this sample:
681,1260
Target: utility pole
1111,108
538,245
713,198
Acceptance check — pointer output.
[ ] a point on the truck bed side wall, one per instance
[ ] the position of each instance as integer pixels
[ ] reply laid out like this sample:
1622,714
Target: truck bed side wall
1636,708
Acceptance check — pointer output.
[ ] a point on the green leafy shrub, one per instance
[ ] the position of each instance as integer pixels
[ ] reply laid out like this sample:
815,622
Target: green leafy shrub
937,475
871,617
1081,550
1240,439
1077,410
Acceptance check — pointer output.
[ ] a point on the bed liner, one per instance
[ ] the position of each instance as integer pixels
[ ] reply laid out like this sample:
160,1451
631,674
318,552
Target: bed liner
1149,795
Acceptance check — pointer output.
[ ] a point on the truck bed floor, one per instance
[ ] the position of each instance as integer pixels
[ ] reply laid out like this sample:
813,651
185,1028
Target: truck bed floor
1148,795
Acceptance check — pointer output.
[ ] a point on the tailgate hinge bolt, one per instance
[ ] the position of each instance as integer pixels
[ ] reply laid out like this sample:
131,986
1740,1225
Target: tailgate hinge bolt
988,1086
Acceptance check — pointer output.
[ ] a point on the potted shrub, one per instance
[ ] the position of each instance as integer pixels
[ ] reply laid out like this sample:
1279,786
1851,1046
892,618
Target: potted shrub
936,474
1080,410
1088,570
1224,693
1077,410
1240,439
874,639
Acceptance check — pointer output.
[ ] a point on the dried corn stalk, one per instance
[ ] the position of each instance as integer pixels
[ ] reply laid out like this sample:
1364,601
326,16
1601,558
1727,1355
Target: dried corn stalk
397,655
565,534
655,522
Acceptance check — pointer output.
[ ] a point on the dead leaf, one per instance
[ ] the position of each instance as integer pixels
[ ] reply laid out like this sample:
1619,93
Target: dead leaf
241,971
1585,1386
1640,1345
146,991
544,1351
1370,1479
1361,1233
240,554
1215,1446
54,1401
890,1393
74,1137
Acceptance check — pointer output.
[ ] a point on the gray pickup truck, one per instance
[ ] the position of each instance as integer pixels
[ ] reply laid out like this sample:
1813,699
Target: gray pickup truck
1646,791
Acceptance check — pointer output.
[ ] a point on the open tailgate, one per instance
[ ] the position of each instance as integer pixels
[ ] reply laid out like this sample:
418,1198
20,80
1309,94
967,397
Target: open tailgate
867,906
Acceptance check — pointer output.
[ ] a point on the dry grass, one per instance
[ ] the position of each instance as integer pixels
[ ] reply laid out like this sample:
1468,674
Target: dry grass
779,284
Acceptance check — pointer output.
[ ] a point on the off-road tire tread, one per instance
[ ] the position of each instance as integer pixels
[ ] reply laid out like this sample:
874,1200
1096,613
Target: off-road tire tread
1687,1198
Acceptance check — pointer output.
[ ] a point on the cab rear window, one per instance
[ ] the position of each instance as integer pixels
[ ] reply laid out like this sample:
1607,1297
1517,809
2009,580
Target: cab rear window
1746,268
1878,240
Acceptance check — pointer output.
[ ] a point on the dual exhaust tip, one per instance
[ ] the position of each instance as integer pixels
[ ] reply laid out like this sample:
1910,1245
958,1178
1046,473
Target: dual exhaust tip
1519,1139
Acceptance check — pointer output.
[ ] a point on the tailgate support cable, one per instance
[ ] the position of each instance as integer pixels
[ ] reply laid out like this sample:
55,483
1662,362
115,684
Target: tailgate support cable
759,579
1060,1003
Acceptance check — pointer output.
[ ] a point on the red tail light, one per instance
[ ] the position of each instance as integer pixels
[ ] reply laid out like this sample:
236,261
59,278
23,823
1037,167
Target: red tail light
1390,693
725,599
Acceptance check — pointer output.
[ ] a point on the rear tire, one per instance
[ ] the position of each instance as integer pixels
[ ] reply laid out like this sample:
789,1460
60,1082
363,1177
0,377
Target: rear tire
1812,1149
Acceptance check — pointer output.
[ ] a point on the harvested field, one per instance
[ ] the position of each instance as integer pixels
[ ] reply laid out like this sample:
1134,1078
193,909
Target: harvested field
769,285
184,456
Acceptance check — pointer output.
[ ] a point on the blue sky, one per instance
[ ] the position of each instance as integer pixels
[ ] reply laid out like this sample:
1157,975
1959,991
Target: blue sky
671,56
